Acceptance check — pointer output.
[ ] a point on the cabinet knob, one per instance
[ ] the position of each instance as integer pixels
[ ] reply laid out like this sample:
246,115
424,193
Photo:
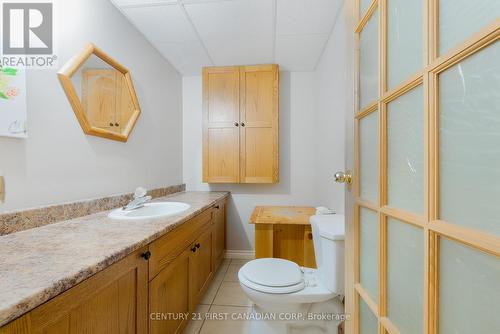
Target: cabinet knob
111,124
116,124
242,124
197,245
193,249
146,255
236,124
217,207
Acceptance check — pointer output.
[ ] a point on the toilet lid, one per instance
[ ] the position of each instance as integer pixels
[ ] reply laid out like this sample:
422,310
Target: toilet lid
273,272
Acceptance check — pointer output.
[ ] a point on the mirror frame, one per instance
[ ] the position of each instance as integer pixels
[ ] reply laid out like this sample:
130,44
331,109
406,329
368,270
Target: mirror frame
71,67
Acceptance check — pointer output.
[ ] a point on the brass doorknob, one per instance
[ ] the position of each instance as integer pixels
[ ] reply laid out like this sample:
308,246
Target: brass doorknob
343,177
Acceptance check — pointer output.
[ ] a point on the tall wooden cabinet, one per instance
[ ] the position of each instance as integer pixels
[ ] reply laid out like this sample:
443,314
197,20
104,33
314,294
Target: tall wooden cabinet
241,124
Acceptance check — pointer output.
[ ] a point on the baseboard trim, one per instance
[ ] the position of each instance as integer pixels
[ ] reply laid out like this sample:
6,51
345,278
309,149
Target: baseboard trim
237,254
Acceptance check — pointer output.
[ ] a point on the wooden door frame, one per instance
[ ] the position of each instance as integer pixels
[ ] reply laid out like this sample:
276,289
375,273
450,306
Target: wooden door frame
433,228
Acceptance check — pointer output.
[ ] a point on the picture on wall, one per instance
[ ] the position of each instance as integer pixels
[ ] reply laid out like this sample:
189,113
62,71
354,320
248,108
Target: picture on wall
13,114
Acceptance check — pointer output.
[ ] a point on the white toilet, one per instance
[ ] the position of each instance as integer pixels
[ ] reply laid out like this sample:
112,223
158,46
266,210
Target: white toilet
291,299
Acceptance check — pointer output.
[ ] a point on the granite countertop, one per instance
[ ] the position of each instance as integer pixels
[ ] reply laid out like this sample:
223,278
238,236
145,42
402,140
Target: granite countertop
41,263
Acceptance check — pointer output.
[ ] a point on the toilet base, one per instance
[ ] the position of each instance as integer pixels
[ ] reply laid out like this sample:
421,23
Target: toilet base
303,319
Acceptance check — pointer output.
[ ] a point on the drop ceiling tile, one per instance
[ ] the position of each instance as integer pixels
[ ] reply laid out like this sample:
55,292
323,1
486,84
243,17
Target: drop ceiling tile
306,16
233,19
240,51
164,24
188,58
299,52
120,3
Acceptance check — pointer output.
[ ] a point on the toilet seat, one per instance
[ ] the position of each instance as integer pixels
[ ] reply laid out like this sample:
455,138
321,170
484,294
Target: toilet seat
275,276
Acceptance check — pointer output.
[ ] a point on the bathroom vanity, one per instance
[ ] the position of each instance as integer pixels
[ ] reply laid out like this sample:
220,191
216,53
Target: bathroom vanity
94,274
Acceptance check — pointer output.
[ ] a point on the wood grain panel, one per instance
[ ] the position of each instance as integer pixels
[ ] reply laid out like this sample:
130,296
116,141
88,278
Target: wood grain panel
112,301
169,294
221,117
259,133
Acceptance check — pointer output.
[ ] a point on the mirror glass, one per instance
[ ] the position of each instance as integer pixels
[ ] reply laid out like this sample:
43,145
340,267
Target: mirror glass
104,95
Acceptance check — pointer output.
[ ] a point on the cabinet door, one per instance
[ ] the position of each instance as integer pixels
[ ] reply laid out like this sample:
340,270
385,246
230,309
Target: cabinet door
259,133
200,265
169,294
98,96
112,301
219,234
221,119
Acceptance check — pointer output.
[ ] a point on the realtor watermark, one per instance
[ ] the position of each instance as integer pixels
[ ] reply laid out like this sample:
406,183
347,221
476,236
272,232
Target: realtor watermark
246,316
28,34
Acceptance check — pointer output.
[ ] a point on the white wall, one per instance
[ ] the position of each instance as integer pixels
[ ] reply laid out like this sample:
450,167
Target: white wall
332,106
312,140
58,163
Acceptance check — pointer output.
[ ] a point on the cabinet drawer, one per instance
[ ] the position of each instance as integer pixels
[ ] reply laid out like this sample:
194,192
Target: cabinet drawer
168,247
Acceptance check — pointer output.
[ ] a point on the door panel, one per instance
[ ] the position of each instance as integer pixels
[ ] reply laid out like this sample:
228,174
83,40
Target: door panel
405,40
200,269
460,19
369,59
405,269
369,245
221,99
112,301
368,321
169,294
259,124
405,152
368,158
469,141
223,155
472,276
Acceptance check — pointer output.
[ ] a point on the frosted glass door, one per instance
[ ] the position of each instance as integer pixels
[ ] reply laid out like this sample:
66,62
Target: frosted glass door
427,174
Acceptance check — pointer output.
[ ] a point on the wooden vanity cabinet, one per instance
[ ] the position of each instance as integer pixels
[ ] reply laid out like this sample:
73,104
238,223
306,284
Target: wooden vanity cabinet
113,301
178,266
241,124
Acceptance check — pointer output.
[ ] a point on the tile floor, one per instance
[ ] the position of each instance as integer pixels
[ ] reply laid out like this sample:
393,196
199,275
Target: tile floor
223,296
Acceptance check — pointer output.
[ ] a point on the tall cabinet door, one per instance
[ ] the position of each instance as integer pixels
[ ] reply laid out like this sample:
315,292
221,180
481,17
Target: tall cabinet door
221,96
259,101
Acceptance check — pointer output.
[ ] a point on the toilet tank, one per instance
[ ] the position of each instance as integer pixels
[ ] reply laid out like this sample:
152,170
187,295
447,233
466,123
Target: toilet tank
328,237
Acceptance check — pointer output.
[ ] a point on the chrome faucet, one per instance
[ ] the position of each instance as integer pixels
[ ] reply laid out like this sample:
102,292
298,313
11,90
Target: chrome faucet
139,200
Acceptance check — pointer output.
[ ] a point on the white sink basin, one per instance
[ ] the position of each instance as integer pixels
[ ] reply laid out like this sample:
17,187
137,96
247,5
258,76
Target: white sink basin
150,210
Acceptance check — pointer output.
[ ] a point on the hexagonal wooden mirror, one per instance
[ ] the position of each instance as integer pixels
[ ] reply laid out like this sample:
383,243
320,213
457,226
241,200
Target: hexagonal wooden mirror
102,94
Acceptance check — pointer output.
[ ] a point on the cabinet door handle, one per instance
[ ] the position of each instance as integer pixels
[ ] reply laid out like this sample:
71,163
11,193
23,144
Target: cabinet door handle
242,124
146,255
236,124
217,207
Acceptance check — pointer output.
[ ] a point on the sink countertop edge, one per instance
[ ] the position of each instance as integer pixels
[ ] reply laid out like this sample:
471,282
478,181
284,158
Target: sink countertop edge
26,272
